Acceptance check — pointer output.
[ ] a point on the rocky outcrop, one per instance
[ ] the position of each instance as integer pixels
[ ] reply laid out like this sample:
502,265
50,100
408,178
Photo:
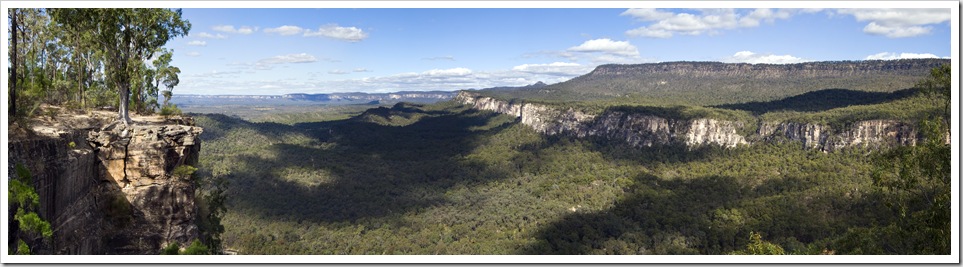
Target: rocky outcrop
110,190
141,161
643,130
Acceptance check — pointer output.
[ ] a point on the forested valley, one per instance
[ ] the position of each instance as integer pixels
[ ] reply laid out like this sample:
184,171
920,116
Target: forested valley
446,179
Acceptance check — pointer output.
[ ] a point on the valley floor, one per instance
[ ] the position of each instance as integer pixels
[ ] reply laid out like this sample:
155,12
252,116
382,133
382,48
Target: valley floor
445,179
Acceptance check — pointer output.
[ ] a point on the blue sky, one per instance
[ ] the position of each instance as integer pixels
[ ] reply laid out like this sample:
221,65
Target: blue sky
276,51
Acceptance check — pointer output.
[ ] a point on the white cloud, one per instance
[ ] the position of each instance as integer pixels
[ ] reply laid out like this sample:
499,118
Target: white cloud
754,58
888,56
895,31
763,14
285,30
350,34
193,54
555,69
361,70
647,14
898,22
708,21
231,29
211,36
455,72
197,43
337,72
649,32
607,46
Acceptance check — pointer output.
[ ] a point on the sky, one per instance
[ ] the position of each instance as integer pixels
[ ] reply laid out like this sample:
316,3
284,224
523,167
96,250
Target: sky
272,51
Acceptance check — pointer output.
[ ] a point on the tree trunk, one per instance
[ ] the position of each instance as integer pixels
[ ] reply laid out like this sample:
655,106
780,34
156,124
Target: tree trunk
125,104
13,67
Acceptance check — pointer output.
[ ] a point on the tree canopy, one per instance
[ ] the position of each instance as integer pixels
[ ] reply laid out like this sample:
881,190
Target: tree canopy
126,39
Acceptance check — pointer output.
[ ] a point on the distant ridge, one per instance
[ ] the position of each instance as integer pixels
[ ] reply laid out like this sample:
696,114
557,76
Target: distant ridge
717,83
356,97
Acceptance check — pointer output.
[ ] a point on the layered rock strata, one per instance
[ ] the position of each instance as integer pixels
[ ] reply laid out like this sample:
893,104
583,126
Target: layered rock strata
111,190
645,130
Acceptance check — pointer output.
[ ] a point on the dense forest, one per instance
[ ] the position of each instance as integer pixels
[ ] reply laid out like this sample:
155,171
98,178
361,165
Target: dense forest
445,179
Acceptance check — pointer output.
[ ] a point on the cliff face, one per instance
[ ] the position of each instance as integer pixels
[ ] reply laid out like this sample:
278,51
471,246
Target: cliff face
636,129
644,130
110,189
871,133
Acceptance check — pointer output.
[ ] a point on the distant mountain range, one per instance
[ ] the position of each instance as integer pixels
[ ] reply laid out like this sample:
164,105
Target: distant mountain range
301,98
716,83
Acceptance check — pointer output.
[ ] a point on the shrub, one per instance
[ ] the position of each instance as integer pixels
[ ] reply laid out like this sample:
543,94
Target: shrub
170,110
196,248
184,171
171,249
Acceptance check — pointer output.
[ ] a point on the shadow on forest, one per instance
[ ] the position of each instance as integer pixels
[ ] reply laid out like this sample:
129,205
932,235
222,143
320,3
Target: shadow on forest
374,174
372,170
821,100
680,216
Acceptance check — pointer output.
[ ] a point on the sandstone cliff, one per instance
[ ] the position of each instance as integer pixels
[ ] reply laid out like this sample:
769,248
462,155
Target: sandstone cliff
645,130
110,189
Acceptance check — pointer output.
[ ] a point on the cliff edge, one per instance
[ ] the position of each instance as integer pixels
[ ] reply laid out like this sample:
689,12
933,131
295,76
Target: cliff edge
110,189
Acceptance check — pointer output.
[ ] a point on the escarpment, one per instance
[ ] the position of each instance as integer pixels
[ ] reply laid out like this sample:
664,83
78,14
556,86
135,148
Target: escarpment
644,130
111,189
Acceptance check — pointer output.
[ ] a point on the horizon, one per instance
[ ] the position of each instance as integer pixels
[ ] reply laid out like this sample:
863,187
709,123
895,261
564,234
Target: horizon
536,82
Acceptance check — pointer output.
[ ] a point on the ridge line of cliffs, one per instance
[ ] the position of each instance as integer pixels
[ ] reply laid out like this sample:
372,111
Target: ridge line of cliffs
644,130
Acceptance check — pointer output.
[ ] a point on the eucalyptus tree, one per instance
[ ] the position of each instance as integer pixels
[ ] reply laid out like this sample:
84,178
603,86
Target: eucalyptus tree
127,38
166,74
14,55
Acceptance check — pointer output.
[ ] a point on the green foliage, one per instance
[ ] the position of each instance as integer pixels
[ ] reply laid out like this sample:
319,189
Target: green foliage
22,195
72,145
22,248
170,110
917,184
32,223
196,248
23,198
213,205
184,171
171,249
757,246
